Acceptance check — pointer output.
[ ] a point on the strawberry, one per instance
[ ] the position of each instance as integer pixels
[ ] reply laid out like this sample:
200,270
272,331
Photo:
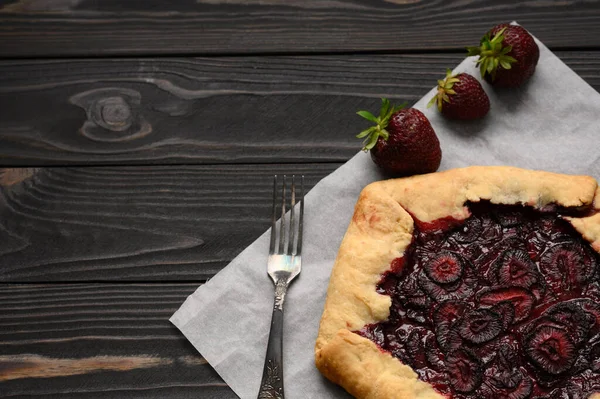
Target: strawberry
402,142
507,54
461,97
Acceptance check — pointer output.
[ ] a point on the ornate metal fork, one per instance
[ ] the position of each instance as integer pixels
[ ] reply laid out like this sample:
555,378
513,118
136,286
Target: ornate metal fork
283,265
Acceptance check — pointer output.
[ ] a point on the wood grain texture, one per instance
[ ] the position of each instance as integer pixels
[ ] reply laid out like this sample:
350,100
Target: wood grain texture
208,110
156,223
99,341
257,109
108,27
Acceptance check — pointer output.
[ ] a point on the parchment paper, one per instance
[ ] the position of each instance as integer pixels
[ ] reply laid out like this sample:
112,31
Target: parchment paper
552,123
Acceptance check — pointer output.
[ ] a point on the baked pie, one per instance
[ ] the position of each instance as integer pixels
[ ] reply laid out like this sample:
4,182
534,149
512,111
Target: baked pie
481,282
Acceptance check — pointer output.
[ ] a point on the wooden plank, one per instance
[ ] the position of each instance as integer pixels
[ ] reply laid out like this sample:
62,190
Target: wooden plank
37,28
158,223
204,110
294,109
99,341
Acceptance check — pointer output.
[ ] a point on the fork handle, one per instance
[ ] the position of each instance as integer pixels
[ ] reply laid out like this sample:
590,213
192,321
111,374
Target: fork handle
271,386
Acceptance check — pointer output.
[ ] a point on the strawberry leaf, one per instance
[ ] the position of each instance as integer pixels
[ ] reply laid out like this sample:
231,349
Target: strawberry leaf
490,65
432,101
505,64
385,134
366,132
473,50
370,143
385,106
482,68
372,134
445,89
492,54
368,116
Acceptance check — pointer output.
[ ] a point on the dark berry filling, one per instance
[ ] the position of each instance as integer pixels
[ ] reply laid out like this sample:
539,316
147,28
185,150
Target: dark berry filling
505,304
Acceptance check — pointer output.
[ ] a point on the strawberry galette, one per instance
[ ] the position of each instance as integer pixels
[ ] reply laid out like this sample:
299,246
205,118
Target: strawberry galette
480,282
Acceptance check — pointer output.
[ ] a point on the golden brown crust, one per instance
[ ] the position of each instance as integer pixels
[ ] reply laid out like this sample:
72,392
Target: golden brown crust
381,229
379,374
589,227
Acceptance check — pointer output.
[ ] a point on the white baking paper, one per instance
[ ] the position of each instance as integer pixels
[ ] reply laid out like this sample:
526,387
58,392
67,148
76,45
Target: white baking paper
552,123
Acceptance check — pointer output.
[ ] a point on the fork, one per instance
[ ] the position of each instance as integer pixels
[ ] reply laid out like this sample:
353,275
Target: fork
283,265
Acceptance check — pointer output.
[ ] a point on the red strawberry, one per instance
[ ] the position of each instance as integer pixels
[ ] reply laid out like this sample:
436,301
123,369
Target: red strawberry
461,97
551,349
519,297
402,142
507,54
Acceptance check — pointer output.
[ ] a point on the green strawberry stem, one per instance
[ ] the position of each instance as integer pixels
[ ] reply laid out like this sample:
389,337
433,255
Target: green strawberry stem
373,133
445,87
492,54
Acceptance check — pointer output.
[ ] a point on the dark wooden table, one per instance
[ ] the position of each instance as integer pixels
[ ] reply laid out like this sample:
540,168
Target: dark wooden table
137,141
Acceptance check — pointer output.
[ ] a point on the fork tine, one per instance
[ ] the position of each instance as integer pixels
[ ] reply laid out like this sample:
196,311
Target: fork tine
273,218
301,217
282,223
290,250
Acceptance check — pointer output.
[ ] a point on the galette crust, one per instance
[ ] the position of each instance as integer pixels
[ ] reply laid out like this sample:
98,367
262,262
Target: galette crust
380,231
